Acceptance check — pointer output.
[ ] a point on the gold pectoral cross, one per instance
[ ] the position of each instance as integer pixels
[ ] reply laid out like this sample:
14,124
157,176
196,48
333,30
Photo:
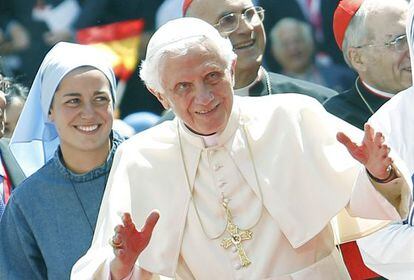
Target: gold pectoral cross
236,237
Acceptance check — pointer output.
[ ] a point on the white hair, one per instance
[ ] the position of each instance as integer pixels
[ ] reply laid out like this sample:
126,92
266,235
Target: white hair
177,37
357,31
304,28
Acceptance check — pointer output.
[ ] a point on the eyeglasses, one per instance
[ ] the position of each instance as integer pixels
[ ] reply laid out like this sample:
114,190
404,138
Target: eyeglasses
230,22
399,44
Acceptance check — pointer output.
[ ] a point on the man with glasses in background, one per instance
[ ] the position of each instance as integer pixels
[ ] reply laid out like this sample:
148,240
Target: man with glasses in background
371,34
241,22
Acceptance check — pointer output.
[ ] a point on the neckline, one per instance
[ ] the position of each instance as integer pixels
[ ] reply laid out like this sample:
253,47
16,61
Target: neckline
222,138
377,92
99,171
262,80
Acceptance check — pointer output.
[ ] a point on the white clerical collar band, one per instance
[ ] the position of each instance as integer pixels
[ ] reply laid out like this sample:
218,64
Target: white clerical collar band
244,91
199,140
377,91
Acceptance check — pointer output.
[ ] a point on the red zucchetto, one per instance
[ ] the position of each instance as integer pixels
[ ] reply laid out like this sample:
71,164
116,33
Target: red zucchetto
186,4
343,14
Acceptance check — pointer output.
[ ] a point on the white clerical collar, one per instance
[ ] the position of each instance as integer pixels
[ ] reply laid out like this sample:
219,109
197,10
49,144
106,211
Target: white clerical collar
204,142
211,140
377,91
244,91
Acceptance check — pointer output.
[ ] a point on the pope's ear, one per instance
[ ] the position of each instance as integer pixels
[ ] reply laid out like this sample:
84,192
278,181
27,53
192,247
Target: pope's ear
161,98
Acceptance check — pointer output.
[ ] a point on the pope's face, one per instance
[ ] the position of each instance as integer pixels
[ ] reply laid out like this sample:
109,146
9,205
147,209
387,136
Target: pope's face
82,111
248,40
198,88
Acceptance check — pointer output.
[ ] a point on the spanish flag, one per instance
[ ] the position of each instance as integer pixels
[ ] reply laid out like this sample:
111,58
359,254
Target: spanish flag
120,40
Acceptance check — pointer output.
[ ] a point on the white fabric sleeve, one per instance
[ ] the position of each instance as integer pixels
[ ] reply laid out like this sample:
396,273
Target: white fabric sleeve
367,202
390,252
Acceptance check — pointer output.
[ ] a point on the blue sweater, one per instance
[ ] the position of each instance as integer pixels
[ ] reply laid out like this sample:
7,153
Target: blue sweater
44,230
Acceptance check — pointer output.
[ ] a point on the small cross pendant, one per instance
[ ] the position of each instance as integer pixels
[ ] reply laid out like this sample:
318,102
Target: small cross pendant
236,237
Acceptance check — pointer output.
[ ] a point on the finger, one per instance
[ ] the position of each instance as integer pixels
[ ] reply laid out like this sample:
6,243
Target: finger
115,242
150,223
387,161
127,220
368,136
385,150
346,141
378,139
369,133
118,228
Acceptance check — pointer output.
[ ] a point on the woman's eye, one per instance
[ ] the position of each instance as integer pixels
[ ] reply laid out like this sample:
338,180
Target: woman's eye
73,101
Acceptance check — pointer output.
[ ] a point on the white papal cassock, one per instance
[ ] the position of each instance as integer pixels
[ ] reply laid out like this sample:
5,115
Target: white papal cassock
282,170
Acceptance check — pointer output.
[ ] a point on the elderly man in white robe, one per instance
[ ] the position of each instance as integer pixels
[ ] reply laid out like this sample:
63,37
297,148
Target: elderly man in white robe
390,251
245,186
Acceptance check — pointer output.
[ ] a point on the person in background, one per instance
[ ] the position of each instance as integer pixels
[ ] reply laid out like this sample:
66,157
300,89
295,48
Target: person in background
241,22
293,47
317,13
10,173
40,25
50,219
16,96
371,34
14,39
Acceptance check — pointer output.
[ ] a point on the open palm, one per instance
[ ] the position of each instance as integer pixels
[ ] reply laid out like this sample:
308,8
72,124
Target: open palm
372,153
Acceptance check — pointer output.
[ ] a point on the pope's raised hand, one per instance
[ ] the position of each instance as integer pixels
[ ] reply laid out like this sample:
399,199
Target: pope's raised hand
372,153
128,243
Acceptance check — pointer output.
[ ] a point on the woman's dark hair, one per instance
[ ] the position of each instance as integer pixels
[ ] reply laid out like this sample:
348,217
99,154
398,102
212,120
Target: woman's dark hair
13,89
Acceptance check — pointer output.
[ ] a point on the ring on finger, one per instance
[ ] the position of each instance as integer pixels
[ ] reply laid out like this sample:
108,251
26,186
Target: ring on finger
115,245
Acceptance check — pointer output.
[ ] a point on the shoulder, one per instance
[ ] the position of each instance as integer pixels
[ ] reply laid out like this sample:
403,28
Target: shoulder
276,106
401,101
346,98
150,139
396,113
37,183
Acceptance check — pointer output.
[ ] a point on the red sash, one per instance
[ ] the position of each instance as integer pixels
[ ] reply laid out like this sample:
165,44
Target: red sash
354,263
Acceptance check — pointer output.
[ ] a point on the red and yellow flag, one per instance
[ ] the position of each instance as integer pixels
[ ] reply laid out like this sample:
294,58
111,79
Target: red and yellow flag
120,40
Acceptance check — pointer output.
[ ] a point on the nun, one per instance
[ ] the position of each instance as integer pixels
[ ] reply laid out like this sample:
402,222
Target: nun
65,143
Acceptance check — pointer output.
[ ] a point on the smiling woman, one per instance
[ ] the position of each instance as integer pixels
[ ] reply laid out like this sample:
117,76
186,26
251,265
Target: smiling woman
66,124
